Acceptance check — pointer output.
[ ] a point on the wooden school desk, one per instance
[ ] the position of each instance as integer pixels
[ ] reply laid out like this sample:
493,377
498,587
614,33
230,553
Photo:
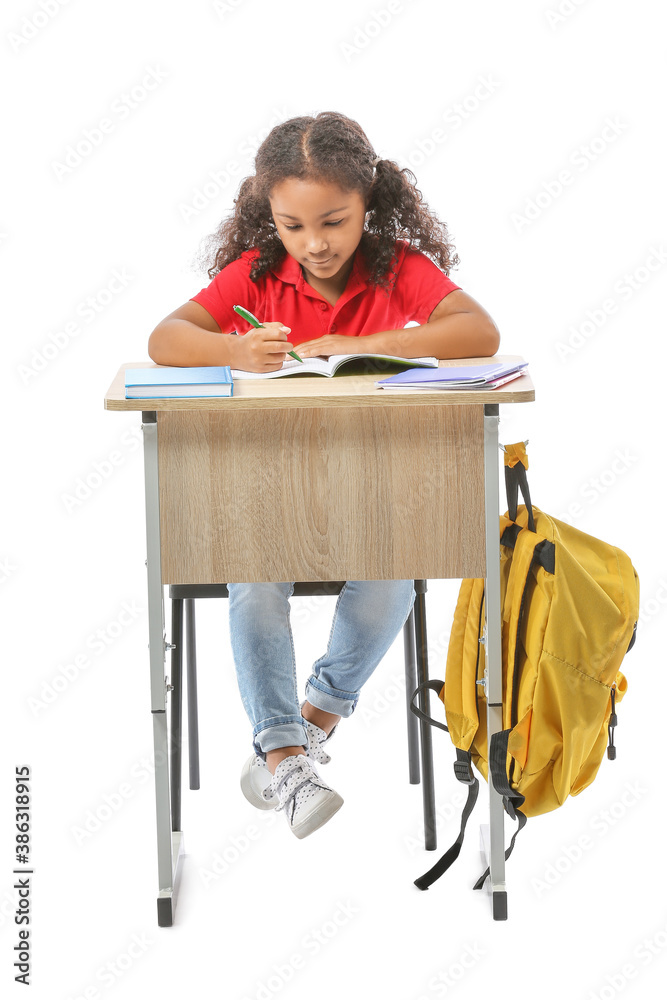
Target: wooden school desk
382,485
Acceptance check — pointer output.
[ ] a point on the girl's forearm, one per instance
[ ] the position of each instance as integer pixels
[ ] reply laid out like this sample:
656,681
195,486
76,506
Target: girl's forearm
461,335
178,342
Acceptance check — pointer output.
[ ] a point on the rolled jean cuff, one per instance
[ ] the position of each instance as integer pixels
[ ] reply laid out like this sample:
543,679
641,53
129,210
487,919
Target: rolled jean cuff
280,734
328,699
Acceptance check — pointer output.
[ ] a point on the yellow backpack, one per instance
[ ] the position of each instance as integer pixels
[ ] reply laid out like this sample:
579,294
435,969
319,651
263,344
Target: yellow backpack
570,605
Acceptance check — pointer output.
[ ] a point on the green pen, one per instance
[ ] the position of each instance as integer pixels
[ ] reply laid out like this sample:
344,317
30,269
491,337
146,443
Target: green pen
249,318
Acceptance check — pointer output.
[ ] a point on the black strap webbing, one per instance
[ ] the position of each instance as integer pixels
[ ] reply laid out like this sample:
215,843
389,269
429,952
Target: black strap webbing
464,773
448,859
515,480
512,800
436,686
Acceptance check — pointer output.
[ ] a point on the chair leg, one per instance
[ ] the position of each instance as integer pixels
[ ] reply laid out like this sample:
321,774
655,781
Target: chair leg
410,685
428,784
176,711
193,719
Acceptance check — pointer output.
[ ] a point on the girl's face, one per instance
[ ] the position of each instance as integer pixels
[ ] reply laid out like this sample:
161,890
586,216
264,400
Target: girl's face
320,225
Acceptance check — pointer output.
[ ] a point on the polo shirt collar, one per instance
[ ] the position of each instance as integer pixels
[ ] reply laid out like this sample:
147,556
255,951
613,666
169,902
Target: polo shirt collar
289,271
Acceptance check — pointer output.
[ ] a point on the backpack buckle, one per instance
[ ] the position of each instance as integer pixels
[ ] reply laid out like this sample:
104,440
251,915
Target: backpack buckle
463,768
509,807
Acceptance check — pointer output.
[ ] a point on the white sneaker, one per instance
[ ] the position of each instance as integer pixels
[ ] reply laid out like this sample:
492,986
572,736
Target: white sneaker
256,777
307,801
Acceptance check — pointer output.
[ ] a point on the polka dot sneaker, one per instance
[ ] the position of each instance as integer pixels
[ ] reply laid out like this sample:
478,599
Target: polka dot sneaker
308,803
256,777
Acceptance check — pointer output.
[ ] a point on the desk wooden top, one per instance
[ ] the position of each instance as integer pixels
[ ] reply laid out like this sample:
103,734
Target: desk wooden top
342,390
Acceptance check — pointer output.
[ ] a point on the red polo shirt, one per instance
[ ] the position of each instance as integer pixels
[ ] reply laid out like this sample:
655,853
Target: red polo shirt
283,295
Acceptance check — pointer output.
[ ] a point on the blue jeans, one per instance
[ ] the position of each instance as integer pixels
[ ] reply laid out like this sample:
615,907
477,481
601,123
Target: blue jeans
369,615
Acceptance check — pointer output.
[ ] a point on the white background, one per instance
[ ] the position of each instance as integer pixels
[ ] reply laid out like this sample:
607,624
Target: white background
519,94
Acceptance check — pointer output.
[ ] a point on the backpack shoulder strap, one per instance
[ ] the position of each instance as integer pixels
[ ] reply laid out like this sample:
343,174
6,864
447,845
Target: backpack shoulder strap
464,773
512,800
462,767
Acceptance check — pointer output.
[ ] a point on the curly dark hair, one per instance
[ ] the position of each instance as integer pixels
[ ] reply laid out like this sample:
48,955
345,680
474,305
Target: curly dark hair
329,147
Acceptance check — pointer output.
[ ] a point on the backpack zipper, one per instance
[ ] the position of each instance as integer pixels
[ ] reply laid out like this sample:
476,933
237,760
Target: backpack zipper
613,722
479,648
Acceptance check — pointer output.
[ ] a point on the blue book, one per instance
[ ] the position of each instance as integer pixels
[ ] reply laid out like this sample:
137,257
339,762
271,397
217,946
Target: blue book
454,376
165,382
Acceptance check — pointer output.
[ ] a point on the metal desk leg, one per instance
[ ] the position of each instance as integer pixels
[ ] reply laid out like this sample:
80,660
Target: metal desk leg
169,844
176,711
193,718
494,691
428,783
410,685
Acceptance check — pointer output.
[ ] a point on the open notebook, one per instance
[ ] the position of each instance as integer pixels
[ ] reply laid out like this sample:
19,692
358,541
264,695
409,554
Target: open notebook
346,364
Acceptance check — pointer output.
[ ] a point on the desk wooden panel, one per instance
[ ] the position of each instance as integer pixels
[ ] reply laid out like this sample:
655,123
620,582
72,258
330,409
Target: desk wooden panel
321,494
322,479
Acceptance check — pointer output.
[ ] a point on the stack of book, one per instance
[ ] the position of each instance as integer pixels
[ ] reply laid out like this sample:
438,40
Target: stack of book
486,376
165,382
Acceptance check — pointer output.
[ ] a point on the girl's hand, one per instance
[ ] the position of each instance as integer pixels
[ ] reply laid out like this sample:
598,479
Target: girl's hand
330,343
262,349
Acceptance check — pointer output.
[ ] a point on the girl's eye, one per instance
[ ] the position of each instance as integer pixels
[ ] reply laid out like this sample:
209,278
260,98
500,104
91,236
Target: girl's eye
336,223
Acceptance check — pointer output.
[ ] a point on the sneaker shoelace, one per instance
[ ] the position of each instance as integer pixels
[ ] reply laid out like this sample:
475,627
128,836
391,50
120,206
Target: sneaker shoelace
294,777
316,740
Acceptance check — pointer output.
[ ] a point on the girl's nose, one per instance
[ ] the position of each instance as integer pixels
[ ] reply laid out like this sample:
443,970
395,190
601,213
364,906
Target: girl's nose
317,245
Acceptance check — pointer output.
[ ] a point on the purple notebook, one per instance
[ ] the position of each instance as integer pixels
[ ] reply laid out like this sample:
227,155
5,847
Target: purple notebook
454,375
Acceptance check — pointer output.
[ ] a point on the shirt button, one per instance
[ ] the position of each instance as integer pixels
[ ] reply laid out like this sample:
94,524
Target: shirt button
332,329
323,305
